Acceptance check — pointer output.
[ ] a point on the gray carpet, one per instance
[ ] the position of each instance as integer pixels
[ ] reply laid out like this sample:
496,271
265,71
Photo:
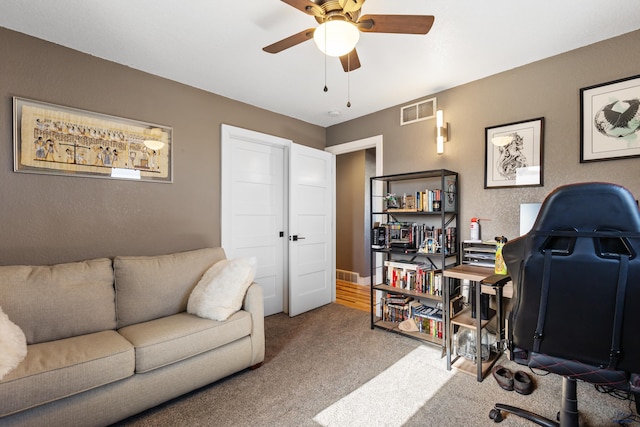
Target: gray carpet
314,360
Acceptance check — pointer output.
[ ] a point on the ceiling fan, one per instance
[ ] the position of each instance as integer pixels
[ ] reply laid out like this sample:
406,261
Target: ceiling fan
346,15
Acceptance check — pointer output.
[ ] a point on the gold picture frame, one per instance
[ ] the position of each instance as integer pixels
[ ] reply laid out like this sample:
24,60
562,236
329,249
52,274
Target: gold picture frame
59,140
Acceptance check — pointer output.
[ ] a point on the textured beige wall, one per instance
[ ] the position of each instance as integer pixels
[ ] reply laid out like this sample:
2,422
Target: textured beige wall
48,219
549,89
350,200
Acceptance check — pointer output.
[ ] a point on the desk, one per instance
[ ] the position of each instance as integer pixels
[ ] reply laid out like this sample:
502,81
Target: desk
475,275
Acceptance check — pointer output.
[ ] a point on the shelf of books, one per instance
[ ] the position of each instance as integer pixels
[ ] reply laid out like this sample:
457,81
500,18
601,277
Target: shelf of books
411,291
426,319
414,237
419,278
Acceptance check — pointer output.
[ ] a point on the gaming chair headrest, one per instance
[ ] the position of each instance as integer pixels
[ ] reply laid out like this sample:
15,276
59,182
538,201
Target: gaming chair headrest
589,206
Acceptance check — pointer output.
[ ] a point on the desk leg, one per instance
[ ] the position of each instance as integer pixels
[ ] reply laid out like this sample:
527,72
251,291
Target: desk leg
478,291
447,321
500,319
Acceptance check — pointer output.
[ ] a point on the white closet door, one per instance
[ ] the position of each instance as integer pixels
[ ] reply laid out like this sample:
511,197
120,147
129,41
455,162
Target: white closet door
271,191
311,229
253,207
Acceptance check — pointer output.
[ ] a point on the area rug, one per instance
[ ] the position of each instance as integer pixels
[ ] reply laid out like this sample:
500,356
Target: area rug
393,396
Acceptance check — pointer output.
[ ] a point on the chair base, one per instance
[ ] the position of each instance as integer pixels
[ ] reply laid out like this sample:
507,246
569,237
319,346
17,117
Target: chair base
568,415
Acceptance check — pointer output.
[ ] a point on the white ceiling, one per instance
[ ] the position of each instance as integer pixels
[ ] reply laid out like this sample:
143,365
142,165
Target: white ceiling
217,45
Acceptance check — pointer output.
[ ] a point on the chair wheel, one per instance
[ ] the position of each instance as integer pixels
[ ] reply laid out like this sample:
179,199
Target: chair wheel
495,415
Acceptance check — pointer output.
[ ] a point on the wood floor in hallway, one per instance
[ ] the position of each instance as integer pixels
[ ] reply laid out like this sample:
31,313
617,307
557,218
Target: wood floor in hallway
353,295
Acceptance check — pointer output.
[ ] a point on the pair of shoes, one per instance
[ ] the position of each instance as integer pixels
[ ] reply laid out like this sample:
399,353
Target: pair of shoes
520,381
503,376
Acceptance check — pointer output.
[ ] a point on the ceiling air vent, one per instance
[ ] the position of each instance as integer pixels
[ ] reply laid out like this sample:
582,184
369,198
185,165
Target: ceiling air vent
419,111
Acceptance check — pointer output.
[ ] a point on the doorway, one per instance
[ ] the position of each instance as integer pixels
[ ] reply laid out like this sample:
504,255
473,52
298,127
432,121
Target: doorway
353,222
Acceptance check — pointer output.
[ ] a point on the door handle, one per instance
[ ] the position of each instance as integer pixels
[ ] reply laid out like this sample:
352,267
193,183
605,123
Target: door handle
295,238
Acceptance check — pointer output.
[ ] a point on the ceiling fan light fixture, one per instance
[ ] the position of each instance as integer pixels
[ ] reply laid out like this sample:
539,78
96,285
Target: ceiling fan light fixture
336,37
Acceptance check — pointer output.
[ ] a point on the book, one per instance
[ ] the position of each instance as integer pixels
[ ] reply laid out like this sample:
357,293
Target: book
398,299
394,312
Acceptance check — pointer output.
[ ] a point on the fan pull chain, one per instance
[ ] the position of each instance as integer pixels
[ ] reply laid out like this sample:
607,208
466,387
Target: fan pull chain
349,80
326,89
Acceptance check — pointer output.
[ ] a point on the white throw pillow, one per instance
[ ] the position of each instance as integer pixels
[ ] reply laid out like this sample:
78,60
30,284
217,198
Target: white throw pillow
221,290
13,345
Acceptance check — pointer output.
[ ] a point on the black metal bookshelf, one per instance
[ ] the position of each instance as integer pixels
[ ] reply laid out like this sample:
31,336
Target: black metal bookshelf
420,231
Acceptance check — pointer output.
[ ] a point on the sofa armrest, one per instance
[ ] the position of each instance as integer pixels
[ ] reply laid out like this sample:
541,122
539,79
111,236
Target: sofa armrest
254,304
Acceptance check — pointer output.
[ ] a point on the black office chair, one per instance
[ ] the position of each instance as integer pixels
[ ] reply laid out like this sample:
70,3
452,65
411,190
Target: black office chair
576,294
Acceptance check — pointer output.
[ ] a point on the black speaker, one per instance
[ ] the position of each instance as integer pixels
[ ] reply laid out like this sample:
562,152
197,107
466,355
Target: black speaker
379,237
485,312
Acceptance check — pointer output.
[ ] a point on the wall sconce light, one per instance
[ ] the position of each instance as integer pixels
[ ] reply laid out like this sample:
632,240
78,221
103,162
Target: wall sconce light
443,132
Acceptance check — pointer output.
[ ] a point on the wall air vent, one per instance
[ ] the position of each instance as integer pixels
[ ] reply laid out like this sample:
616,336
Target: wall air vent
417,112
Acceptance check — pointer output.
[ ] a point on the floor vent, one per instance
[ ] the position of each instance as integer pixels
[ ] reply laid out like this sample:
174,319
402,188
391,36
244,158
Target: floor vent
352,277
347,276
417,112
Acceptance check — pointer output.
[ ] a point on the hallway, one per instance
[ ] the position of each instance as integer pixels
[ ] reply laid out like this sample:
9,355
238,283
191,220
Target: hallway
353,295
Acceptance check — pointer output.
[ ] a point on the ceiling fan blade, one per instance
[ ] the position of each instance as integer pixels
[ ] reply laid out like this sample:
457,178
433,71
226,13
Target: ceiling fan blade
351,5
290,41
306,6
350,61
402,24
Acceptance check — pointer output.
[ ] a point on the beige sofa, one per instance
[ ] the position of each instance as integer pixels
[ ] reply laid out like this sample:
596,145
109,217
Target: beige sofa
110,338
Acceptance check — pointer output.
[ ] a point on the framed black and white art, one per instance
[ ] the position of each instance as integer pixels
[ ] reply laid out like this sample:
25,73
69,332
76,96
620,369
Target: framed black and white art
610,120
513,154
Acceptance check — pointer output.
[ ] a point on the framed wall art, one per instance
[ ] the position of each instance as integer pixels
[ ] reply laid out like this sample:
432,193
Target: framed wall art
514,154
610,120
52,139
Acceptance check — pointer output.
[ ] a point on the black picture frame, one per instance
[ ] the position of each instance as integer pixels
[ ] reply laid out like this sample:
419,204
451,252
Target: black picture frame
610,120
514,154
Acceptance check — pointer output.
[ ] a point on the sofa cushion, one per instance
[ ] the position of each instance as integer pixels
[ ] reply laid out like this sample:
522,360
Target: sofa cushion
59,301
62,368
222,288
170,339
151,287
13,345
